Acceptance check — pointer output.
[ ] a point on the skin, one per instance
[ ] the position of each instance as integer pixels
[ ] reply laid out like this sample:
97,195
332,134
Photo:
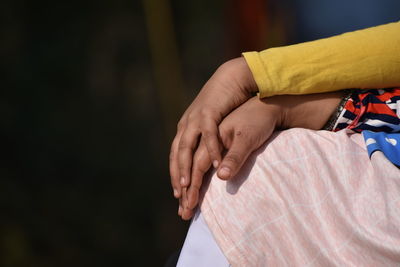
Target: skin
230,86
206,129
249,126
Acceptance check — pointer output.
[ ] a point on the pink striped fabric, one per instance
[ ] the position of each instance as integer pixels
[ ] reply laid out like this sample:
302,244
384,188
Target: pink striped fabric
308,198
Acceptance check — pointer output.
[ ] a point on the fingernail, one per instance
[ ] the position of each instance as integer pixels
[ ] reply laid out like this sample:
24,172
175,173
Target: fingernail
182,181
224,172
175,193
215,163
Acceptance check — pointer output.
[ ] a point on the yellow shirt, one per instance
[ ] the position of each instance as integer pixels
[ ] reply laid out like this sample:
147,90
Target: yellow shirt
368,58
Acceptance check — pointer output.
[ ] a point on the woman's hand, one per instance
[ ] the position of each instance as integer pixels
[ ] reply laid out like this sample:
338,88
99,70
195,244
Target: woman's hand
249,126
241,132
230,86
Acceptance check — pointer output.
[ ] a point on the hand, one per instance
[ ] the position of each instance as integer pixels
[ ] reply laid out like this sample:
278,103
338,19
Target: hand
190,195
249,126
241,132
230,86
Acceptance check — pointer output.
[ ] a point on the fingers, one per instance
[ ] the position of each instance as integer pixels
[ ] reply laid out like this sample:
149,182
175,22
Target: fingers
182,150
201,164
184,212
187,144
210,137
190,197
237,154
187,214
173,167
180,208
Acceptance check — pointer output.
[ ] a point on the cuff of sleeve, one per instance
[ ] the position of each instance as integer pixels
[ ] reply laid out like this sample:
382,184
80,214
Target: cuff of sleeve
258,69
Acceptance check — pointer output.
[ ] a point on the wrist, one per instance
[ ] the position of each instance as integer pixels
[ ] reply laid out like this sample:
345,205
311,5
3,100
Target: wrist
274,109
306,111
242,75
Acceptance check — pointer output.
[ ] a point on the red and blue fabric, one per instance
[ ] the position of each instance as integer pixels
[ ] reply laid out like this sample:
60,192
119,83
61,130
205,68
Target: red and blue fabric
375,113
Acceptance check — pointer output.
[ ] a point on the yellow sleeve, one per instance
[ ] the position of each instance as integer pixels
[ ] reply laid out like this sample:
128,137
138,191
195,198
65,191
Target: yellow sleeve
368,58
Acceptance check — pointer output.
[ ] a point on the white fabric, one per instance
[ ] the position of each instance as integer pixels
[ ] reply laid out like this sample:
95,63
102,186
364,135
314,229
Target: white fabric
200,248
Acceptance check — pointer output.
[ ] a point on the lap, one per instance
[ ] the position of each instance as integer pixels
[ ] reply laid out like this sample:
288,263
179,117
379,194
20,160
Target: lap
307,198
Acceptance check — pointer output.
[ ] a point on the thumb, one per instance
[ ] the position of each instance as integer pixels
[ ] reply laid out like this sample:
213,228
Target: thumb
237,154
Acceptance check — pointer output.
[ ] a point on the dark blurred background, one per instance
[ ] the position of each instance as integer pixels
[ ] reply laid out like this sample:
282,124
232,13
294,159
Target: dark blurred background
90,95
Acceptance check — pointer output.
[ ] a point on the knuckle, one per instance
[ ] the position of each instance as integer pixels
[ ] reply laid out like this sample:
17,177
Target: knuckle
182,167
205,112
182,145
180,125
233,158
210,113
190,117
194,117
212,150
207,134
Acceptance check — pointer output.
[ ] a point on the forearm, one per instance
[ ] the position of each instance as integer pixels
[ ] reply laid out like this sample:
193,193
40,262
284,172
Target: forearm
305,111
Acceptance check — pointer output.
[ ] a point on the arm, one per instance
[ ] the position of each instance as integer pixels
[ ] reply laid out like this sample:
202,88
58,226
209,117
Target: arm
249,126
368,58
230,86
